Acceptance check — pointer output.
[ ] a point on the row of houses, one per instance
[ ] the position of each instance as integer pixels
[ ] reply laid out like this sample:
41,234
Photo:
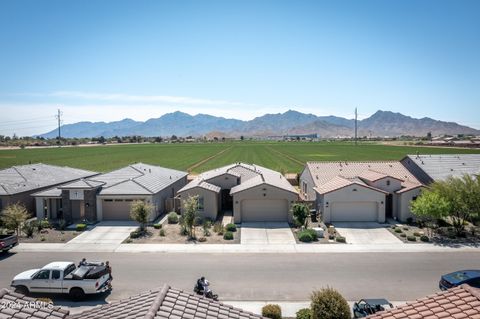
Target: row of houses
339,191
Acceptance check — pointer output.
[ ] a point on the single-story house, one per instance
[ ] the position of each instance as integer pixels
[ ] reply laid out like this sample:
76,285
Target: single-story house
458,302
359,191
18,183
162,303
109,196
430,168
253,193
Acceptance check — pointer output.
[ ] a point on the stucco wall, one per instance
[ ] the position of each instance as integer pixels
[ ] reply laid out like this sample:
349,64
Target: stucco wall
404,200
23,198
394,186
211,201
347,194
224,181
307,178
158,200
258,192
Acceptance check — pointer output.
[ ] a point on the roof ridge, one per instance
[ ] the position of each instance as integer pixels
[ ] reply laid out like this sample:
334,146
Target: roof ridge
138,170
142,186
157,302
474,291
18,172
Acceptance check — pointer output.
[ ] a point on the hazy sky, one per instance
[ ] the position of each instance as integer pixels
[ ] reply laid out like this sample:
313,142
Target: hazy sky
107,60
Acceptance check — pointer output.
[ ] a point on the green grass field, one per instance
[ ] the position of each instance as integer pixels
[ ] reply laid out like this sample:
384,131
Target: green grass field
281,156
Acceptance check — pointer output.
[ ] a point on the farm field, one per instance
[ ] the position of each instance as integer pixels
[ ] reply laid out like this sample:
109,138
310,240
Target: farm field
196,158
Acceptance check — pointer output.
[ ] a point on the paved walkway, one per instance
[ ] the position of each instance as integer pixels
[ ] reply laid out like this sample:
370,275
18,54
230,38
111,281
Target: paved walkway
366,233
266,233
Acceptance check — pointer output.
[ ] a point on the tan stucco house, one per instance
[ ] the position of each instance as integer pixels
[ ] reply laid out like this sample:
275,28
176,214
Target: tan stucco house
18,183
253,193
109,196
359,191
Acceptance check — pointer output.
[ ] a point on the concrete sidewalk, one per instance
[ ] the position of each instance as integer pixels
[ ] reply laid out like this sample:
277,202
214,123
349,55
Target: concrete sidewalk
235,248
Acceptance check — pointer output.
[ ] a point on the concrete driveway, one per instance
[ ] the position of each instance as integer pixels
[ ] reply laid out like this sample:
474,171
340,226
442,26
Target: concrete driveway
266,233
106,233
366,233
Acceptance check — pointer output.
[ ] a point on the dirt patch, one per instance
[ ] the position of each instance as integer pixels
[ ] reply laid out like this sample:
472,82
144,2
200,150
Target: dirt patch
50,236
441,236
314,224
173,236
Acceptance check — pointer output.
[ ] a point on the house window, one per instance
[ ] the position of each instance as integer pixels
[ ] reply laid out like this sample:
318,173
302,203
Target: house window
108,200
414,198
129,200
200,203
1,205
304,187
388,182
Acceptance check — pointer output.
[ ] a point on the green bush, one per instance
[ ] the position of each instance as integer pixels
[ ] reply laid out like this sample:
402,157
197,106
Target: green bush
393,227
405,228
305,236
329,303
198,221
403,235
231,227
228,235
304,313
157,226
80,227
162,232
172,218
29,228
398,230
272,311
62,224
44,224
411,238
417,234
341,239
312,233
409,220
135,234
218,228
424,238
42,238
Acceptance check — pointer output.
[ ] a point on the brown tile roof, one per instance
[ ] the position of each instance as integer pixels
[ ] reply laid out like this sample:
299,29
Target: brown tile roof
166,303
461,302
339,182
13,305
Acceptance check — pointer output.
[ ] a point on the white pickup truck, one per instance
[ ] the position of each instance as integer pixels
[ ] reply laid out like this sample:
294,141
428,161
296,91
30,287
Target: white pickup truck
65,278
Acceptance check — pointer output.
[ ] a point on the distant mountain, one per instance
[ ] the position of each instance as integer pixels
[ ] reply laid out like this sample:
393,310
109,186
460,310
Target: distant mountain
382,123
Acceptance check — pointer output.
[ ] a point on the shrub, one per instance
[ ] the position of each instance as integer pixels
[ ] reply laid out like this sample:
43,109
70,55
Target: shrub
341,239
417,234
411,238
424,238
13,217
218,228
228,235
62,224
312,233
157,226
172,218
198,221
206,227
128,241
403,235
398,230
42,238
409,220
231,227
331,237
305,236
304,313
272,311
406,228
81,227
44,224
162,232
29,228
393,227
202,239
329,303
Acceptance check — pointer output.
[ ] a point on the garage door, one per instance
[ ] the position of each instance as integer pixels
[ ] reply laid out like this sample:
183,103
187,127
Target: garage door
265,210
116,209
354,212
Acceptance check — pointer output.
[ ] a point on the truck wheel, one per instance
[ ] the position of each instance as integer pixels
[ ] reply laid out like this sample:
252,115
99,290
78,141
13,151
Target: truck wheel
76,294
21,290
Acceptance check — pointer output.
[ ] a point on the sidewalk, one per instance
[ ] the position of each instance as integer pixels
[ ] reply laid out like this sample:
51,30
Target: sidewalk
237,248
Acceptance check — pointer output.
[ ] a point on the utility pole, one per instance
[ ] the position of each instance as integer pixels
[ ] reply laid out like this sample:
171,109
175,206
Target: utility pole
356,126
59,118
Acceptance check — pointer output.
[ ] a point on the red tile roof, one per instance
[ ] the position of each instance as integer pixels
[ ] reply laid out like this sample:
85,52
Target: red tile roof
461,302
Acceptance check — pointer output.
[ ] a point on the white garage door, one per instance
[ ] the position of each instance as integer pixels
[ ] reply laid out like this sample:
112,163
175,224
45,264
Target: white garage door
354,212
264,210
116,209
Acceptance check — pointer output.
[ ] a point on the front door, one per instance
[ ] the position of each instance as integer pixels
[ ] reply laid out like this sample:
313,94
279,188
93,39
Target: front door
227,200
389,206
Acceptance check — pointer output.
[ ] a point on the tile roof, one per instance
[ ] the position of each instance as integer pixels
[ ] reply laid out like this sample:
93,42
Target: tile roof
165,303
461,302
339,182
82,184
13,305
323,172
440,167
373,176
19,179
199,182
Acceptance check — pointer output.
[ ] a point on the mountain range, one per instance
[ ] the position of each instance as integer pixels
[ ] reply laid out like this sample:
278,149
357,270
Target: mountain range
381,123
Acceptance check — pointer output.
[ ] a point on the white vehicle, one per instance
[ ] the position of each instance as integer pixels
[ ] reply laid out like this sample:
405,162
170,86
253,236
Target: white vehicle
64,277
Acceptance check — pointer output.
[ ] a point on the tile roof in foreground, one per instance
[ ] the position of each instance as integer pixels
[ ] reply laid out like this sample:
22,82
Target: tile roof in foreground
166,303
13,305
461,302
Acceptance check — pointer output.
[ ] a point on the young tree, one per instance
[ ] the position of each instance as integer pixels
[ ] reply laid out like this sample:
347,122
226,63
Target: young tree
430,206
190,208
328,303
13,216
300,213
139,212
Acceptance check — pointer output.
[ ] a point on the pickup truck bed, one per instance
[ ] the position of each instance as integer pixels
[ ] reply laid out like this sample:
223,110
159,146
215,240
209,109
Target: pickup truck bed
7,242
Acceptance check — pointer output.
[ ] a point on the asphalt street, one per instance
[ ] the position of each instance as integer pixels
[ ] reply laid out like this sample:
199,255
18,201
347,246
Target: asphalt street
257,277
